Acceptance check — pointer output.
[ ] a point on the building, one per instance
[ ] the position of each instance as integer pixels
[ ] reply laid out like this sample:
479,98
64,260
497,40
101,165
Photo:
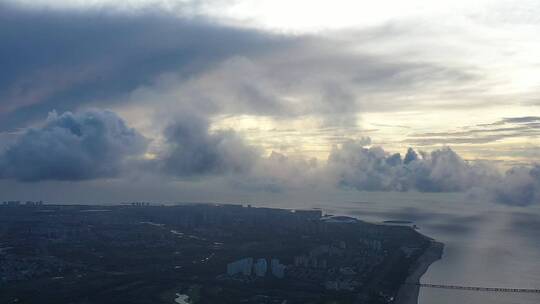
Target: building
260,268
278,270
242,266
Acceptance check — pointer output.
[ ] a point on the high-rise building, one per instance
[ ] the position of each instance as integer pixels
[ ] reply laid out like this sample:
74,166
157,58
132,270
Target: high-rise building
278,270
260,267
242,266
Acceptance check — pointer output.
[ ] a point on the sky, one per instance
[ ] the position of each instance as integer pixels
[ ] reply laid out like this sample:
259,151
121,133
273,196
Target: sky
236,100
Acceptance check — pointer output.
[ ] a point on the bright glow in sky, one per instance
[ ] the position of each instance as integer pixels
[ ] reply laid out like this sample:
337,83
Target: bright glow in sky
305,15
309,15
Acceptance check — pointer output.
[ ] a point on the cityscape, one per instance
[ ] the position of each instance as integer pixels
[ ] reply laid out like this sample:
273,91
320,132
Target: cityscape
269,152
202,253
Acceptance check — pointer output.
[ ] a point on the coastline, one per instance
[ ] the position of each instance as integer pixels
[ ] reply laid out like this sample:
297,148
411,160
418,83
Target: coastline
409,291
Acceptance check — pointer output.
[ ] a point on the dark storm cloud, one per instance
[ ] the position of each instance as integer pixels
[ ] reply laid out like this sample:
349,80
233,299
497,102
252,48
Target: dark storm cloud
72,59
308,75
65,59
195,151
88,145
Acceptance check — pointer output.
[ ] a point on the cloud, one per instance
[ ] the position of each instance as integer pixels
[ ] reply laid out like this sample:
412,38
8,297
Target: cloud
410,156
444,170
72,59
362,168
88,145
96,144
513,127
520,186
373,169
173,63
194,151
281,173
524,119
308,76
356,166
67,59
512,120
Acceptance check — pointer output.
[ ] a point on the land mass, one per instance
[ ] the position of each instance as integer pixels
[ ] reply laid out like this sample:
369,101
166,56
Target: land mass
409,291
204,253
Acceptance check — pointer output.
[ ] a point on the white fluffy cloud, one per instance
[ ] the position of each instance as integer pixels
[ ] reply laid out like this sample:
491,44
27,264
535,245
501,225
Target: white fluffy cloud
371,168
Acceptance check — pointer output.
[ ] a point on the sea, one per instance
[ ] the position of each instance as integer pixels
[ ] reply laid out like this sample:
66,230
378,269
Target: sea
486,244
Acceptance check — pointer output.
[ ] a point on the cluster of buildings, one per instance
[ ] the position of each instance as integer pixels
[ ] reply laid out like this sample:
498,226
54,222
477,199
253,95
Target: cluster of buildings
319,256
140,204
19,203
336,266
340,266
258,268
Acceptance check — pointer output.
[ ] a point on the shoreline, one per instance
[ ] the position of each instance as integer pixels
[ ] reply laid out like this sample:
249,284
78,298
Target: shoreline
408,292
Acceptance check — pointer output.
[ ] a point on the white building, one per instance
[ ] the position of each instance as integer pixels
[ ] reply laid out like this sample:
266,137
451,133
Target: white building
260,267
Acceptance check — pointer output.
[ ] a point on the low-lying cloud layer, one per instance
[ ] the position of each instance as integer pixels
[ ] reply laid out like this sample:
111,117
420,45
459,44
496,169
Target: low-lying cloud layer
194,151
374,169
520,186
443,170
89,145
97,144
